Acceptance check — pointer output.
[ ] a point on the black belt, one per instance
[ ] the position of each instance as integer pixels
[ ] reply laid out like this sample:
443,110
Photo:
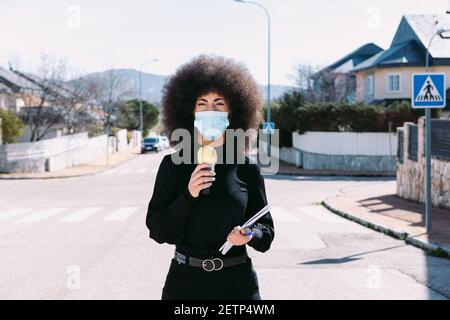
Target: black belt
212,264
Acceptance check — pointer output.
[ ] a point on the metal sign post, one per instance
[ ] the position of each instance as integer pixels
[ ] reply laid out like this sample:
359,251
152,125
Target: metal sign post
431,94
428,92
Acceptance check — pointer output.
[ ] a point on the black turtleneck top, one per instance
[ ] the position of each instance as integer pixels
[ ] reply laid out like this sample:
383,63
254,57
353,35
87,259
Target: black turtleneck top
198,226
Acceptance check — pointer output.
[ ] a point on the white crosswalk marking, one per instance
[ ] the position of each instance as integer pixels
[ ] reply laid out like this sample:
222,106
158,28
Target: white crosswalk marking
14,213
125,171
121,214
320,213
41,215
140,171
81,215
282,215
109,171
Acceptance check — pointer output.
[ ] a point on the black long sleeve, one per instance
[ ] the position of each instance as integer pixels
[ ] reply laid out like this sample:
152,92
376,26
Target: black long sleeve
168,211
263,229
200,225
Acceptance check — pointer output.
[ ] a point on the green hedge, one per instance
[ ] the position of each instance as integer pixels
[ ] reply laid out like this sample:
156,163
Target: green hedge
292,114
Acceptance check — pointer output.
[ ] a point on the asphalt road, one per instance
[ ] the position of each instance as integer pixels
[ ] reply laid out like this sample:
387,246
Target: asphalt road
85,238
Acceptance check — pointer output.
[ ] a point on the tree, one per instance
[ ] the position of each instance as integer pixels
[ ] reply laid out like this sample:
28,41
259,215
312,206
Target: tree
284,114
79,104
110,90
324,84
53,104
129,115
11,126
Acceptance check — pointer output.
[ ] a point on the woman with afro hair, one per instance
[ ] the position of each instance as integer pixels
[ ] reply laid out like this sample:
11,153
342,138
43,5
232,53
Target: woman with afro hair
197,207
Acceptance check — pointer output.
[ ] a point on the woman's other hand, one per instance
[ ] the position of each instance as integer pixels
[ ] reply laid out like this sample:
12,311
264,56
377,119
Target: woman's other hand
200,179
237,237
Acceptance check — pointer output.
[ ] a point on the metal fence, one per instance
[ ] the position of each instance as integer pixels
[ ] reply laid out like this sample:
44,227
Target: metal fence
440,139
413,142
400,145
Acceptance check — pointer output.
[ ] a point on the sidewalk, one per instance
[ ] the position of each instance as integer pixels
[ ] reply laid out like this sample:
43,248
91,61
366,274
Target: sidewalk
92,167
379,208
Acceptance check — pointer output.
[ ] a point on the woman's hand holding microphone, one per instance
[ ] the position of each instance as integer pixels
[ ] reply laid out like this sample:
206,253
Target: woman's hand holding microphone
200,179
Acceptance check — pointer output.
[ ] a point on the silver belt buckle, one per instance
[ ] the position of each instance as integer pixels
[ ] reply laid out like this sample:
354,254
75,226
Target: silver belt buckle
212,264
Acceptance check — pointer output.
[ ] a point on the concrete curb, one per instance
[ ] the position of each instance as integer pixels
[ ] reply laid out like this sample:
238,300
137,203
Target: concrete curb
390,231
72,175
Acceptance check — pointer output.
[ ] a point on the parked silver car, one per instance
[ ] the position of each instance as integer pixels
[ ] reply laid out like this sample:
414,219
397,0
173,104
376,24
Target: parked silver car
164,141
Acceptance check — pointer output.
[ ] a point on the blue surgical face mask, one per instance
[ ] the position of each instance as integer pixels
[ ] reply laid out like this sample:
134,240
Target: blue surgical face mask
211,124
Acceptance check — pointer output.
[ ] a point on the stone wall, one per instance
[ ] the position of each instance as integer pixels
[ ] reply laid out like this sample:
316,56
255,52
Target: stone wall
357,163
411,174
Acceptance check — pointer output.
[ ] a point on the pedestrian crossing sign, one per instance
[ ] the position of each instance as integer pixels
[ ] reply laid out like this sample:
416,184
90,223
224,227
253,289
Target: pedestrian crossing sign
269,127
428,90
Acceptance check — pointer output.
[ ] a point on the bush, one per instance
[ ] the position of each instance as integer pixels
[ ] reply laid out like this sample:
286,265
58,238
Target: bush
291,113
12,127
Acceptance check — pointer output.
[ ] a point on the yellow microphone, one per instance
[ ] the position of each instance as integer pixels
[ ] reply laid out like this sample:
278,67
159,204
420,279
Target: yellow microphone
207,154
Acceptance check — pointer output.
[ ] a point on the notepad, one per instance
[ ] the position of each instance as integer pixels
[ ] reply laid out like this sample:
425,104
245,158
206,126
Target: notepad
228,245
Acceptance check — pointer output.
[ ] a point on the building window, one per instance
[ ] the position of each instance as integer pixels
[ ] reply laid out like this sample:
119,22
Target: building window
394,83
369,85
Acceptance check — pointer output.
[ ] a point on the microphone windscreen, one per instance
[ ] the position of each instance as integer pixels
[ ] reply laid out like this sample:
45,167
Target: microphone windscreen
207,154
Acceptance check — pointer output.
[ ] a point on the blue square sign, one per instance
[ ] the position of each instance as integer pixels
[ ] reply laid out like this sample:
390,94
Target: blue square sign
268,127
428,90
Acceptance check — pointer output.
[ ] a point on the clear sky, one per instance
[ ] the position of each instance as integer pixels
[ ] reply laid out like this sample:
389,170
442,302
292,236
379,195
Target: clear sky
94,35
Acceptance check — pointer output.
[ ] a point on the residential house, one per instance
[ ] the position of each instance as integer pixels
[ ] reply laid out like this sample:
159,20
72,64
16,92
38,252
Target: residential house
23,92
335,82
17,92
6,97
386,76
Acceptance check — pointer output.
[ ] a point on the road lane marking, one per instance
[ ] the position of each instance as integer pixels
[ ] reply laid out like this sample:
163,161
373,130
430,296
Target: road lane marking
81,214
282,215
14,213
109,171
41,215
141,171
320,213
125,171
121,214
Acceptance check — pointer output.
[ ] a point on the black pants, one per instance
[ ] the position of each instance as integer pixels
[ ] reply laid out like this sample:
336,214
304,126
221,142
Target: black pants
184,282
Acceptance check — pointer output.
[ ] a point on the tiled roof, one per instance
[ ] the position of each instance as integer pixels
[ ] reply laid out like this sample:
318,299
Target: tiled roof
407,53
4,88
7,77
410,42
352,59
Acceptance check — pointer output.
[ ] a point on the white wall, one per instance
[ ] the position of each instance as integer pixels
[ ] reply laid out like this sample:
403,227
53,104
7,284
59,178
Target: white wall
346,143
53,154
122,142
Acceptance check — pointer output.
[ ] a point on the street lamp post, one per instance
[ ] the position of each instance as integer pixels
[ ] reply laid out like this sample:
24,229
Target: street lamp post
441,32
268,68
141,113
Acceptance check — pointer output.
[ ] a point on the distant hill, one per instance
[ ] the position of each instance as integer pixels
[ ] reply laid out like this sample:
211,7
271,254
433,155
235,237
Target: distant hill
152,85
